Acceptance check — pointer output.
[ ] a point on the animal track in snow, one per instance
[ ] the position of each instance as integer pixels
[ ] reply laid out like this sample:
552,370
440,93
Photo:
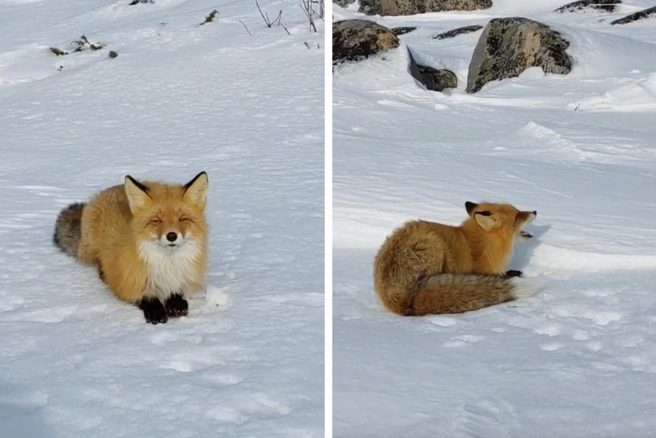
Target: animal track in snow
487,418
442,321
553,346
461,341
549,330
580,335
599,317
57,314
594,346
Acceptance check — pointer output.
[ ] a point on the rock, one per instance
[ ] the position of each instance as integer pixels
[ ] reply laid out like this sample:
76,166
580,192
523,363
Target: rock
411,7
599,5
508,46
403,30
433,79
458,31
343,3
358,39
640,15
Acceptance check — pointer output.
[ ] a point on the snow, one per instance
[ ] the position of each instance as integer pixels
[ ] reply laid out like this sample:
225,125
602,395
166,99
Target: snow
578,359
179,98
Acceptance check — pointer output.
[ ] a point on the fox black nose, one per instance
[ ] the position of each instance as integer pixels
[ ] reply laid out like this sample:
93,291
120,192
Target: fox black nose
171,237
535,213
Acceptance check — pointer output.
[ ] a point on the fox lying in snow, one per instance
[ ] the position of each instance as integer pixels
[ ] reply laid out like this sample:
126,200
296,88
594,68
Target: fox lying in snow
427,268
147,239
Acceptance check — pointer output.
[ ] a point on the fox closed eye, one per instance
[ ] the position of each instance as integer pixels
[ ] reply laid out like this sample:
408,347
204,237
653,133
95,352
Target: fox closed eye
184,219
156,220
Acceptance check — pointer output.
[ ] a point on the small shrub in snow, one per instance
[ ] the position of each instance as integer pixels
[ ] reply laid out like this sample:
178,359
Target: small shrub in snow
79,45
213,16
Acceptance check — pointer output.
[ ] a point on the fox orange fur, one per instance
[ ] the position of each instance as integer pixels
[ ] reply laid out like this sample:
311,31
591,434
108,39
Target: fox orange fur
428,268
148,241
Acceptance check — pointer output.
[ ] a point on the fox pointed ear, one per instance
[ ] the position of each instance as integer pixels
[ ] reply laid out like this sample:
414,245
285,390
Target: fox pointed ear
485,220
470,206
195,191
137,193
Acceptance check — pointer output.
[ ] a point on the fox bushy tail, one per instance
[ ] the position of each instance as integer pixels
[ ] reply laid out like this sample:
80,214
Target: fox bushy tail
457,293
68,229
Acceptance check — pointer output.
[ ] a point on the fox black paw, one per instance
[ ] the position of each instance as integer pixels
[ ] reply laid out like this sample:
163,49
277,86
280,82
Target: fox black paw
512,273
176,306
153,310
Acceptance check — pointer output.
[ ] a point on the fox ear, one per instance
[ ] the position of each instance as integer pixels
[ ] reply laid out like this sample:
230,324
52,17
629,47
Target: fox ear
195,191
470,206
485,220
137,194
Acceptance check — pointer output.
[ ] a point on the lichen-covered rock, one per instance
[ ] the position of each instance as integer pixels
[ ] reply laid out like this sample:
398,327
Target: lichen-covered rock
412,7
459,31
359,39
432,78
403,30
597,5
343,3
640,15
508,46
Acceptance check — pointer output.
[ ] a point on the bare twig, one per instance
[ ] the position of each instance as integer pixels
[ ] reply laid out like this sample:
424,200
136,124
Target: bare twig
265,16
308,8
243,24
283,26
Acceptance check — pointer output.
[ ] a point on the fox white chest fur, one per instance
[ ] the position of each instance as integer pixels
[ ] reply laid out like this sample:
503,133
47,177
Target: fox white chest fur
170,271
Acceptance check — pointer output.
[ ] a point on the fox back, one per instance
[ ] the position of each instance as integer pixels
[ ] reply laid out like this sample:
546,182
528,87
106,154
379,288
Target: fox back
419,250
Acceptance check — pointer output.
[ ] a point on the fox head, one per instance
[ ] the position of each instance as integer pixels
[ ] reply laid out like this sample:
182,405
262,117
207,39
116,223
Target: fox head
170,216
500,218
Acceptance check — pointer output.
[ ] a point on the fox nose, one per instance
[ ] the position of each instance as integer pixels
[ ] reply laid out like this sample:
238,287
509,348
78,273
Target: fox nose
171,237
535,213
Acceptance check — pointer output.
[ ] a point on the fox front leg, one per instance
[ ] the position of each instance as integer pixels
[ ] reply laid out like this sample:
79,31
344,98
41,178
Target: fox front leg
176,305
153,310
512,273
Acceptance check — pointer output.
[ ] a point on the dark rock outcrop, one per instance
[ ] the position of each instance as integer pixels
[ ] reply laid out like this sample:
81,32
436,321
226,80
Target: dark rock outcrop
459,31
411,7
403,30
359,39
508,46
432,78
596,5
343,3
640,15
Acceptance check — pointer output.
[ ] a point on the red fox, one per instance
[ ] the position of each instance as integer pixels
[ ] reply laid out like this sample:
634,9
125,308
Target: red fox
147,239
426,268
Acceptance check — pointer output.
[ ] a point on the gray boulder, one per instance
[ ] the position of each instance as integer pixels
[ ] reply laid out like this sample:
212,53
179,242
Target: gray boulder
412,7
459,31
343,3
593,5
508,46
432,78
640,15
359,39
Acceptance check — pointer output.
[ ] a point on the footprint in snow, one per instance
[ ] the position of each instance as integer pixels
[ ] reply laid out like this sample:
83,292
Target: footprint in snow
461,341
552,346
488,418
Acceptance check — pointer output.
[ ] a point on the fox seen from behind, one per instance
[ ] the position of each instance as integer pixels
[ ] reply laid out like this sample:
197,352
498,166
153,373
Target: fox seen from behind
429,268
147,239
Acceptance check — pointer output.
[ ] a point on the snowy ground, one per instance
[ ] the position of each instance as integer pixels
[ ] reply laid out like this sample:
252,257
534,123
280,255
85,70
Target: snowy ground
179,98
579,360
